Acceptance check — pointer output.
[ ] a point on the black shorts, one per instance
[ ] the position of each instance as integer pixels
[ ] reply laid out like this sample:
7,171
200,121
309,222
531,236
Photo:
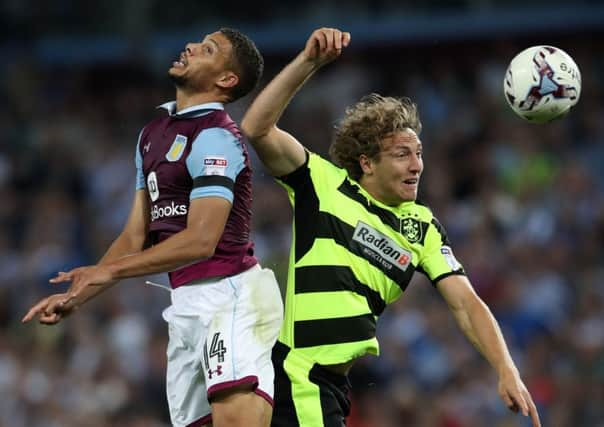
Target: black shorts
306,394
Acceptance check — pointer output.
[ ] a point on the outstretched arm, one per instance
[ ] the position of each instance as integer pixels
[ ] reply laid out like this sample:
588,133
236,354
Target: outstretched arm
478,324
206,220
280,152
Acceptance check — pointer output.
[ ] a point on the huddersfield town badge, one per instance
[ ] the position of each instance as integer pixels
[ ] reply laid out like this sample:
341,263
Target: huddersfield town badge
412,230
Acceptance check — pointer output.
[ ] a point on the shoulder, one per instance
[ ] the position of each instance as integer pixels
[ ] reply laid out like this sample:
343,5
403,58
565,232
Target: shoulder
319,170
315,172
222,119
217,135
154,124
317,163
217,126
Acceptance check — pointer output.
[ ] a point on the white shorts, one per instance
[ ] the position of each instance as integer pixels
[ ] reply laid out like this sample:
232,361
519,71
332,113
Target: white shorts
221,335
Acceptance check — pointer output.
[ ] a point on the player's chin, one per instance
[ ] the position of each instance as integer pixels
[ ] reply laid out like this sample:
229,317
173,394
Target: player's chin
177,76
408,194
174,72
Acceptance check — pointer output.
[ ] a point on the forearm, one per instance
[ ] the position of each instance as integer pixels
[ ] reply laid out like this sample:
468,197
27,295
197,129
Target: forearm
481,328
123,245
181,249
267,108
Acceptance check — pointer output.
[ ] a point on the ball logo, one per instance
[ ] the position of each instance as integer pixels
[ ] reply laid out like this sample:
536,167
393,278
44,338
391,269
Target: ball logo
547,84
152,186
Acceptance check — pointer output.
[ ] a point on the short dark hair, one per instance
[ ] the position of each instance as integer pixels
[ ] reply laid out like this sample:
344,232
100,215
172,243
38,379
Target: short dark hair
246,60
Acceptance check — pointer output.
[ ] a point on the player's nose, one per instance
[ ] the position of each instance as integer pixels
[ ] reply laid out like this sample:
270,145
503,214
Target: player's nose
416,165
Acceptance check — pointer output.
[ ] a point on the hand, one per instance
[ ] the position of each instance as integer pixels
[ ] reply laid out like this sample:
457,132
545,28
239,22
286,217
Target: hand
325,44
83,277
516,396
51,310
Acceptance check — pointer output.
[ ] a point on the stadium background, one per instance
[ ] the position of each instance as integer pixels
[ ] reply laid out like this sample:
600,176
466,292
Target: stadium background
523,204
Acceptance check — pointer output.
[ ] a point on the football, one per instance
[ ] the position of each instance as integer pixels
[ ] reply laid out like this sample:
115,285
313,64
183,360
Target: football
542,83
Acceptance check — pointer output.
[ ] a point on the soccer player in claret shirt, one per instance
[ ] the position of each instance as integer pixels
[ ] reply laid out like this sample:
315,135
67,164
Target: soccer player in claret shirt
359,236
191,217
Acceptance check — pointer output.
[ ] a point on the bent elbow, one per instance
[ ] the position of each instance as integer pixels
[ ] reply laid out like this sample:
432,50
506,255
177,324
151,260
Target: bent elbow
251,130
204,252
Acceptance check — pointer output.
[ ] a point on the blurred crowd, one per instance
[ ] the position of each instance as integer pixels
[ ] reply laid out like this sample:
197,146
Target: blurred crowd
523,205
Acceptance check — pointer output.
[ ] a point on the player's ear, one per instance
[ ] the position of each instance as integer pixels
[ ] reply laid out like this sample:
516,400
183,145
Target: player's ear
227,80
366,164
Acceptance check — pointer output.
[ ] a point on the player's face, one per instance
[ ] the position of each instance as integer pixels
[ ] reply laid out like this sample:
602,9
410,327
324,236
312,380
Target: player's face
202,63
394,173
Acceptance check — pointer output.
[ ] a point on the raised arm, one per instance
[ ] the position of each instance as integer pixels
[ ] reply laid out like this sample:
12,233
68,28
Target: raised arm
280,152
480,327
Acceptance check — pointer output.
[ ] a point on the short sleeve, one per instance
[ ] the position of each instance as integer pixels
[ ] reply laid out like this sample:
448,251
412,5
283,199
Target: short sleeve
215,160
138,161
437,260
298,177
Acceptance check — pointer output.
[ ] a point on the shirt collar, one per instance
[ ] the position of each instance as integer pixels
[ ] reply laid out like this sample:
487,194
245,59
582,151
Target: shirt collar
192,111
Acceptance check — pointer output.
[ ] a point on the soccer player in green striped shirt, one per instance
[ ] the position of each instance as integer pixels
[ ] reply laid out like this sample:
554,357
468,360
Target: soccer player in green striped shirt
358,237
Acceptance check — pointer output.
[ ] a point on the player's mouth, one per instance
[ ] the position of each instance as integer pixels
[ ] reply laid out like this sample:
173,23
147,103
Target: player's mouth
411,181
182,62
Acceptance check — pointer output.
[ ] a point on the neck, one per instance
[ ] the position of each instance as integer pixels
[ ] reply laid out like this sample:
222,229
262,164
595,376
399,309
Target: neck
369,186
186,100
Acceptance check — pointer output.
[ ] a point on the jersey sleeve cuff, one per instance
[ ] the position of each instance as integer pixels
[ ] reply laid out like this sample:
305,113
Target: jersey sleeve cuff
437,279
212,191
296,176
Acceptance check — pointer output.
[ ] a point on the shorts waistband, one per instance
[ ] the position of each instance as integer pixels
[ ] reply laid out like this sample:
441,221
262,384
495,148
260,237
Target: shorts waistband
339,370
215,279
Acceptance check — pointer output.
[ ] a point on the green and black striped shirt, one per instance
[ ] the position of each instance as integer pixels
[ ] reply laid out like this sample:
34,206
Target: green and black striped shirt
351,256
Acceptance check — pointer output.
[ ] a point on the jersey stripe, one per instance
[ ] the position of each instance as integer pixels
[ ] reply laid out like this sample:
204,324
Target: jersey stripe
313,306
441,230
210,180
310,333
330,226
326,254
329,278
388,218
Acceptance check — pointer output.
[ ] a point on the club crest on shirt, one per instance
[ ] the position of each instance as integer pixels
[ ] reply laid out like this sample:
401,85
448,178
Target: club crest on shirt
214,165
412,230
177,148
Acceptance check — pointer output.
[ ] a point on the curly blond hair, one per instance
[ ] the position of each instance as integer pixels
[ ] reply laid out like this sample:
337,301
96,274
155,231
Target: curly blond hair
366,124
